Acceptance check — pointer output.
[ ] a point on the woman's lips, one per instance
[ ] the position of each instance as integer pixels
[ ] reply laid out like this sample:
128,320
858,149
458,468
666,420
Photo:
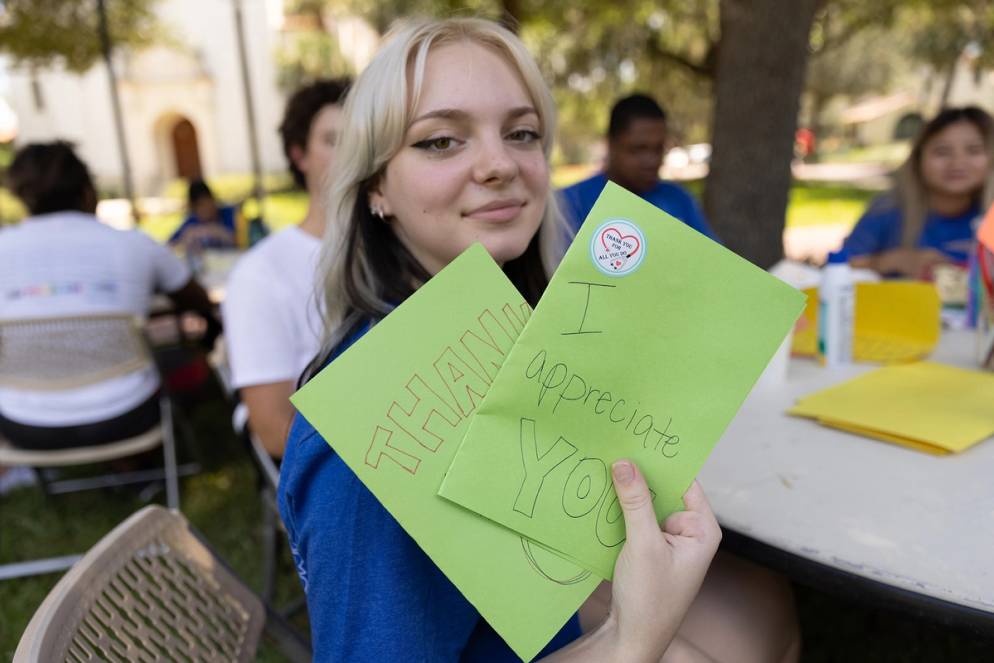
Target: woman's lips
504,210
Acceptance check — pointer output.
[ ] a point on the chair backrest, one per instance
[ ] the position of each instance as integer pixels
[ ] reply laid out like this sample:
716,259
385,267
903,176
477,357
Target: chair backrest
149,590
47,354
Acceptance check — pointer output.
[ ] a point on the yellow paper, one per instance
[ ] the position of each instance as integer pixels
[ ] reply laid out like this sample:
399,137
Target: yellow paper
932,404
895,321
917,445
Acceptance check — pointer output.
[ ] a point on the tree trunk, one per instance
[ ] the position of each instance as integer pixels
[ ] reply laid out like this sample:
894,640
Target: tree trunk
760,74
106,48
947,83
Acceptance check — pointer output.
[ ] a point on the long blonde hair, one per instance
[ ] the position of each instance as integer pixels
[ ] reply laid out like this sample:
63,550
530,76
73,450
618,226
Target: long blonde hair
364,270
910,193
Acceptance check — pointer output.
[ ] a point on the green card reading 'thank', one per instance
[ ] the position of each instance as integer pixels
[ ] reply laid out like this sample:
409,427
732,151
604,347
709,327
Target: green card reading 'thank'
645,344
395,407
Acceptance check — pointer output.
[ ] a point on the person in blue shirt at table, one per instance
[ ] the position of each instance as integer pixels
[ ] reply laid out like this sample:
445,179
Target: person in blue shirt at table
208,225
445,140
928,218
636,142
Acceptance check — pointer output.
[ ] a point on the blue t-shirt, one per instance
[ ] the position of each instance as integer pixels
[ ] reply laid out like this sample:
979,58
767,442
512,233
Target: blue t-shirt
372,594
671,198
880,228
226,215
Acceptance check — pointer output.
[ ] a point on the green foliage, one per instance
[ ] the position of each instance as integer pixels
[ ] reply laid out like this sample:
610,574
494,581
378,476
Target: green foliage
942,29
6,155
307,56
308,50
11,209
381,14
593,53
40,33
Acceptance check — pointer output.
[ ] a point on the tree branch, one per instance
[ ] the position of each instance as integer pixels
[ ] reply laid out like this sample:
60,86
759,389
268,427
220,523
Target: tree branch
703,69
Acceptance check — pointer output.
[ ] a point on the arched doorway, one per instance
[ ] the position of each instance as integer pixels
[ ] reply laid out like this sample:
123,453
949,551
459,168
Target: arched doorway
186,152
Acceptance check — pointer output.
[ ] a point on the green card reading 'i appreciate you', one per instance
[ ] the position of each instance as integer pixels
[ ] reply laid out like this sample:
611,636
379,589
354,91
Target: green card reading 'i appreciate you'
644,346
396,405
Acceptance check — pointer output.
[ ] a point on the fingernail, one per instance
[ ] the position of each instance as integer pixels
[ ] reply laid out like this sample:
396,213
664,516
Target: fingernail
623,471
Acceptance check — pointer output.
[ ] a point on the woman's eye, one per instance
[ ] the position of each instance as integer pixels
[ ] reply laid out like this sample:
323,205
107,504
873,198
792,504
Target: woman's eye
524,136
440,144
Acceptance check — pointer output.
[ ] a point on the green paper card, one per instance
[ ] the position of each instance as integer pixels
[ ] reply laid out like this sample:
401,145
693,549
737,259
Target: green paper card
644,346
395,406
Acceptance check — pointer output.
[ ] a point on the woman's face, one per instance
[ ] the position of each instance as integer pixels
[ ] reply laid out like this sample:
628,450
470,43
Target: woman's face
318,155
472,167
205,209
955,161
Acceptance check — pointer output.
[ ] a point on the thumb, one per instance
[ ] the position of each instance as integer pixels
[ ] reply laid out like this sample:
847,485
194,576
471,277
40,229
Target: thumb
635,500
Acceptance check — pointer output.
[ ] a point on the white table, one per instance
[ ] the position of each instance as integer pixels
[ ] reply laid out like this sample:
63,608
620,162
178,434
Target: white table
854,513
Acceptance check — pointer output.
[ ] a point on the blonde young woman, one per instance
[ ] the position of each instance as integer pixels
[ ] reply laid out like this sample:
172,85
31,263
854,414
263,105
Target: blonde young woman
445,142
939,194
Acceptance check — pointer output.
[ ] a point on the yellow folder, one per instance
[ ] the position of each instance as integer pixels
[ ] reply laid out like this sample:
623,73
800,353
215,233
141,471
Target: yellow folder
895,321
926,406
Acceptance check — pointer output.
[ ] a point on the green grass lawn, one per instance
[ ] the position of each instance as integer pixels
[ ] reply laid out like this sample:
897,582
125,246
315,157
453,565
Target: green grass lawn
813,204
889,153
279,210
810,204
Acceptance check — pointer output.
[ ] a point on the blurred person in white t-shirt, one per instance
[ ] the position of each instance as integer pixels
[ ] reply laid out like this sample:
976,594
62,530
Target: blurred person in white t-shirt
62,261
271,317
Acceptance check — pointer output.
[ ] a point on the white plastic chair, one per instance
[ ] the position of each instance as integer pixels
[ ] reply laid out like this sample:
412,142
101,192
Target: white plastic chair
152,590
63,353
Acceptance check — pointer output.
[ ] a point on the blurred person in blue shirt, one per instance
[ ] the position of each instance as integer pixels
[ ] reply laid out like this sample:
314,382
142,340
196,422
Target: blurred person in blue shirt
208,225
636,142
929,217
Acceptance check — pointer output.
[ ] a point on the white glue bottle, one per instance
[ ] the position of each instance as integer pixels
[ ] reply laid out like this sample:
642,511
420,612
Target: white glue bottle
836,300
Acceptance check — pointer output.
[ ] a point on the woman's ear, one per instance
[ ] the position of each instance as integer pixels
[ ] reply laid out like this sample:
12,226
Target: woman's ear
298,155
378,203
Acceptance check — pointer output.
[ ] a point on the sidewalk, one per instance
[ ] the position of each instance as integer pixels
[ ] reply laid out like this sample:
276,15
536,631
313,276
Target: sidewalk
868,175
812,243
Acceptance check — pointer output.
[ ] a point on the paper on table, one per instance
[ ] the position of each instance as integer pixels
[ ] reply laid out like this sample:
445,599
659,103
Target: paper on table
916,445
893,321
395,406
644,345
934,404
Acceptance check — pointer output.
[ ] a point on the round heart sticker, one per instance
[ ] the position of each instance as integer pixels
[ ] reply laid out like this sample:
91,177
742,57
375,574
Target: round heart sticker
617,247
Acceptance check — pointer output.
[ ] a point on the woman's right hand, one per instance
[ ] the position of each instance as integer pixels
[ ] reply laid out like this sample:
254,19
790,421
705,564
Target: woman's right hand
656,577
659,571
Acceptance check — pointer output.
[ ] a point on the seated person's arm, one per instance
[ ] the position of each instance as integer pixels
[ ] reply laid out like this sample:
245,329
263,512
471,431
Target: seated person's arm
270,413
873,244
193,297
176,239
913,263
216,231
653,563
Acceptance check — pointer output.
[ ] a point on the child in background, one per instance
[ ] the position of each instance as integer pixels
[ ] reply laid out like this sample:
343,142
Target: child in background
209,225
